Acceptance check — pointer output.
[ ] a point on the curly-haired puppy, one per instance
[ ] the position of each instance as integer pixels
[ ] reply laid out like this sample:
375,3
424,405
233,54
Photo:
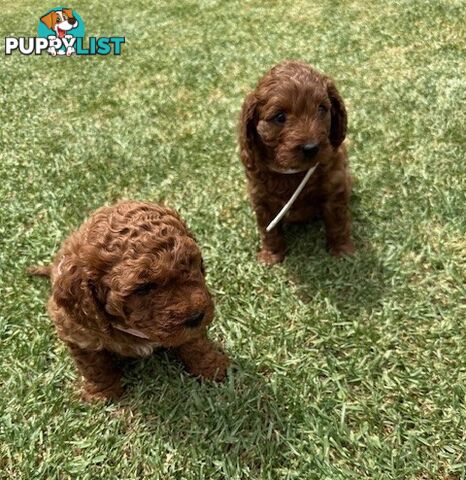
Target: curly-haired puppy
131,279
296,119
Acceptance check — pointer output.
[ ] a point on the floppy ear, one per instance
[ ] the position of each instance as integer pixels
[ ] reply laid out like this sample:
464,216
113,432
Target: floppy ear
81,294
49,20
338,115
68,11
247,130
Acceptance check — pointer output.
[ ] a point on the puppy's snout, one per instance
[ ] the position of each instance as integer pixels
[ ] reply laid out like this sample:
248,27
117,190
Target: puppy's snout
310,150
195,320
72,20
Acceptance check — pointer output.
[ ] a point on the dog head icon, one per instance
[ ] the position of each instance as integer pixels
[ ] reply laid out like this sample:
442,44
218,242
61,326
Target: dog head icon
60,21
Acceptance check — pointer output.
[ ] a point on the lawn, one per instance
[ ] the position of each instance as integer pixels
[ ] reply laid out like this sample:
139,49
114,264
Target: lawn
343,369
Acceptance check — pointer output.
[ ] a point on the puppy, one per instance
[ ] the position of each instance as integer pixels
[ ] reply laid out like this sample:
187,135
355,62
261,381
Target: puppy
294,120
130,280
60,21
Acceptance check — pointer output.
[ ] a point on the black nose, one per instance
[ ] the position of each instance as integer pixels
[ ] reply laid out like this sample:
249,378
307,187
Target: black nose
72,20
194,320
310,150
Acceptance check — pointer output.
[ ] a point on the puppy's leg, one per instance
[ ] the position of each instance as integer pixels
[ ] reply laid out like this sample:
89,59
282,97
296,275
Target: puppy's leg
203,359
338,224
273,246
102,377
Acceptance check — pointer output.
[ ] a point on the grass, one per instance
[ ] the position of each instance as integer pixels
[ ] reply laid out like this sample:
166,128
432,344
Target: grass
351,369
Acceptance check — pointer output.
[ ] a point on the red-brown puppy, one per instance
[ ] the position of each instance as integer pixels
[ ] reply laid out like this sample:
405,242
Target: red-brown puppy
296,119
131,279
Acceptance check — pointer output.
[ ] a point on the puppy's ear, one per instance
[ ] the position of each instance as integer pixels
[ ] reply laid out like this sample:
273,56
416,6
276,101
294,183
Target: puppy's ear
68,12
247,130
49,20
80,293
338,115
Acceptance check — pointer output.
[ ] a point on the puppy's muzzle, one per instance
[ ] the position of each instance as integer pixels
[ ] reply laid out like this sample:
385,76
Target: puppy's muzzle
310,150
195,320
72,21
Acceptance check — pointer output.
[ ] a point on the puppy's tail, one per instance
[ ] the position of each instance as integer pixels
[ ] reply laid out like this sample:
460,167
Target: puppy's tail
40,271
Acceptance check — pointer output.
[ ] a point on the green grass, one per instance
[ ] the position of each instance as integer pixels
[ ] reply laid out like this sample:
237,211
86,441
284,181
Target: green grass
351,369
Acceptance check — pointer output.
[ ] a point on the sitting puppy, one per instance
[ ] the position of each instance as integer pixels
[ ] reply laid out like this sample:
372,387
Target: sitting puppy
131,279
293,121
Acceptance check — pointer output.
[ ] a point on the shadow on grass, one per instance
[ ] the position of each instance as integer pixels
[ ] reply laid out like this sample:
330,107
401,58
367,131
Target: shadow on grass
350,283
240,419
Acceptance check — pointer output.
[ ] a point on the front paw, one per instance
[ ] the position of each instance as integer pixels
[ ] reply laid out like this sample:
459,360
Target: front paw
92,392
266,257
213,366
342,249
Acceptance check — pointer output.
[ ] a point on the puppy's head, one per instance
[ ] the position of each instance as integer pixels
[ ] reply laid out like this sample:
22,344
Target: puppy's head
294,119
60,21
141,271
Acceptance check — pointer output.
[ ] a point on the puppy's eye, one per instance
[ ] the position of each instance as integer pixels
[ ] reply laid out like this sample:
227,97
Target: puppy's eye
194,320
279,118
144,289
323,109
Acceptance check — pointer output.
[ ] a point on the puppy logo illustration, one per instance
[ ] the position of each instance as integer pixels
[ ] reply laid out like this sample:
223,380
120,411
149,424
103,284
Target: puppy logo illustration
60,33
61,26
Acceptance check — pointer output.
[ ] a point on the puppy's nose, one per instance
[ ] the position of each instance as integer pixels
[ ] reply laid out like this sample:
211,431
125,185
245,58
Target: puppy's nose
72,20
310,150
194,320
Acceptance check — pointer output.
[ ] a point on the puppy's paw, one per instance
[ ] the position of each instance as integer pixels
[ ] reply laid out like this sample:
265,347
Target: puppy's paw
213,367
92,392
266,257
217,367
342,249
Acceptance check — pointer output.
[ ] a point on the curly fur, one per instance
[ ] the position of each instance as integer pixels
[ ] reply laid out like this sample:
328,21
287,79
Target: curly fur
133,266
294,105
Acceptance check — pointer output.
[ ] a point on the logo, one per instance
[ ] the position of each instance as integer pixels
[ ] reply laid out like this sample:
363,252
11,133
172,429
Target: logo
61,33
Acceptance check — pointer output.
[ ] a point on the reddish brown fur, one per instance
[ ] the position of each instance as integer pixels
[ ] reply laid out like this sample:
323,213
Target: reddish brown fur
314,113
133,265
